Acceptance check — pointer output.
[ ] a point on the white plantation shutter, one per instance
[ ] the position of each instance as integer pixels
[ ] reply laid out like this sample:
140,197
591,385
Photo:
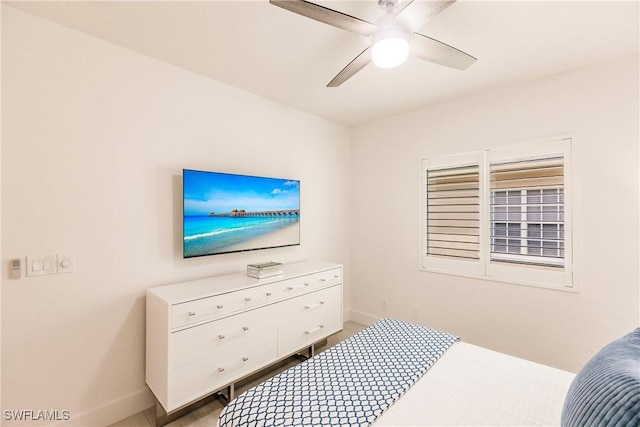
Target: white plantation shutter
527,211
453,212
452,196
502,214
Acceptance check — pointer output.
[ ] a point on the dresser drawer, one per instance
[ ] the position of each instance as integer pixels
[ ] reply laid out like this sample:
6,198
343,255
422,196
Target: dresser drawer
186,313
310,318
211,373
217,336
301,285
252,297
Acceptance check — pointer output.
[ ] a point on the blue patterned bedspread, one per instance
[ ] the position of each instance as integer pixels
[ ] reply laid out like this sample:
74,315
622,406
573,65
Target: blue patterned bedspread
350,384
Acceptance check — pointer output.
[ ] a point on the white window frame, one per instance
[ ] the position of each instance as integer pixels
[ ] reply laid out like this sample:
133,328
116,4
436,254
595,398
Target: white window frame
520,274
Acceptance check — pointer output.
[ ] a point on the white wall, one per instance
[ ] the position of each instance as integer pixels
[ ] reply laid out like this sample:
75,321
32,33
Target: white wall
599,106
94,140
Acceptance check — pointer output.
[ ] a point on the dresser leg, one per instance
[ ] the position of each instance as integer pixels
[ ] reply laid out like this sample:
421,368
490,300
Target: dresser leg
321,343
164,418
230,394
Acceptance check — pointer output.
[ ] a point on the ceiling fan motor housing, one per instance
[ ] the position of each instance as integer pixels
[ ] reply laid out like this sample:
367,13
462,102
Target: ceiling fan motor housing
390,43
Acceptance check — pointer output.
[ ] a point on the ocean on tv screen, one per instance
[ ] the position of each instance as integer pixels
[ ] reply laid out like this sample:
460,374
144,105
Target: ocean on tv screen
208,235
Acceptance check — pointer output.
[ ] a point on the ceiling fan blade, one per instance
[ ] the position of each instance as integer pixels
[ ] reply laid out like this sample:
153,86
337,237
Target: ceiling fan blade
415,13
353,67
433,50
327,16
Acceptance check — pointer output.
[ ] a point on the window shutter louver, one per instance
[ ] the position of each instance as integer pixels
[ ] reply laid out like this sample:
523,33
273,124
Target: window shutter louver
453,212
527,212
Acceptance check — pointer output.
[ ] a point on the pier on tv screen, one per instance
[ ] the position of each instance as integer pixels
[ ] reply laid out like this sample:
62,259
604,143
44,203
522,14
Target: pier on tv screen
225,213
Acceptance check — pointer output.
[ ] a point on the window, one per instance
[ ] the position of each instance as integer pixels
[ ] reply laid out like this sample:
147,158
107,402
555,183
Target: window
527,212
500,214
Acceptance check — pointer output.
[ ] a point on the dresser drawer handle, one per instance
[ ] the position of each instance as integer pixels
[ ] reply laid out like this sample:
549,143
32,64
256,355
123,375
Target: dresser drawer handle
244,359
335,276
192,313
323,279
314,330
220,369
221,336
292,288
247,299
219,306
309,307
245,328
269,294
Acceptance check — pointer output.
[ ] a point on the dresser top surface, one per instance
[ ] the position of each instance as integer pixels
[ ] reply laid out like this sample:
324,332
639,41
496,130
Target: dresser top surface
202,288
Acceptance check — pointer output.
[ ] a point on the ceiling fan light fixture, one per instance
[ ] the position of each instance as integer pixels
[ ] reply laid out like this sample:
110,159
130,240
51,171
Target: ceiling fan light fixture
390,47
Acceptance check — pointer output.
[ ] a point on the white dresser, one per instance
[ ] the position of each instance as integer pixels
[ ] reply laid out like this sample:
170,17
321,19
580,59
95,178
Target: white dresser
204,335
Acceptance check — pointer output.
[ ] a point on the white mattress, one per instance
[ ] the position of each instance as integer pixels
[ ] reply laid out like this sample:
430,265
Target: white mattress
473,386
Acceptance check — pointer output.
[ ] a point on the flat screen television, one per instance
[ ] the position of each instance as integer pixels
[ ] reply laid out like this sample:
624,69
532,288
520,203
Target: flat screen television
224,213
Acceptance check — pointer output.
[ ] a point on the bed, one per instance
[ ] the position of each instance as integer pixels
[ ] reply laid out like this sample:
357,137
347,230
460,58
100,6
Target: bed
395,373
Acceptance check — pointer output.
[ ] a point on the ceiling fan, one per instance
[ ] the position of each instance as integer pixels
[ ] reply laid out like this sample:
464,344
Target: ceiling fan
393,35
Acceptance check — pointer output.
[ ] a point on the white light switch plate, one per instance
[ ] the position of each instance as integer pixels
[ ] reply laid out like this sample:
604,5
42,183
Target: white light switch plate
41,265
66,263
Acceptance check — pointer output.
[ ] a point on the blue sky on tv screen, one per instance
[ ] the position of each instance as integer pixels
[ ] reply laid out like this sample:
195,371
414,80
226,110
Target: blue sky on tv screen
206,192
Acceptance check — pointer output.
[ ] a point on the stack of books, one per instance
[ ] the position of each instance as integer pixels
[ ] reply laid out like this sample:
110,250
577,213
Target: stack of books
264,269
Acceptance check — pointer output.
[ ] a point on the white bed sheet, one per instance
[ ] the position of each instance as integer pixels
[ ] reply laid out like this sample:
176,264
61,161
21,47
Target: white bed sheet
474,386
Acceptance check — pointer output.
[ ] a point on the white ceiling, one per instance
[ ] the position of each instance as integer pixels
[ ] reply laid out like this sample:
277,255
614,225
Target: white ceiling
269,51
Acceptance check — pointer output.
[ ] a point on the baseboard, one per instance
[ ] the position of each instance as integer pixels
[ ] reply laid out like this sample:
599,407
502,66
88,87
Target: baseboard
113,411
362,318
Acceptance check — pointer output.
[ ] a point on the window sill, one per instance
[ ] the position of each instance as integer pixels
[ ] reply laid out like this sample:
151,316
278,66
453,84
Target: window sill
531,284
